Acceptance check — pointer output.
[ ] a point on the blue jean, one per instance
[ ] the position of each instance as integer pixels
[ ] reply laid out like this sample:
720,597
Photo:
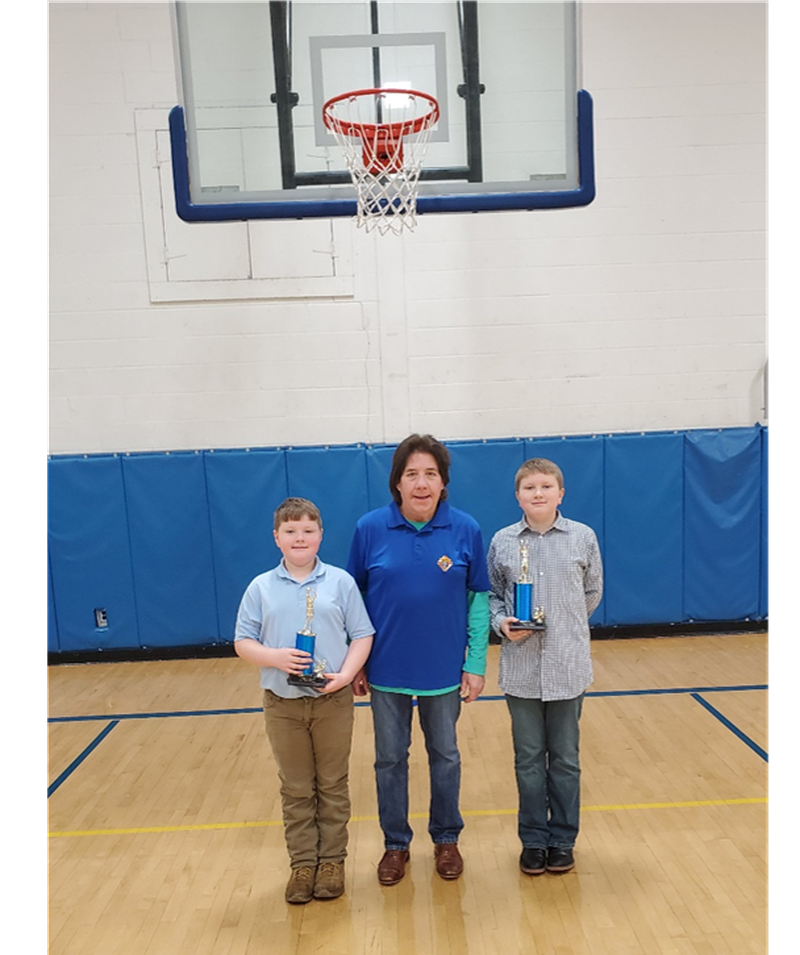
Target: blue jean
546,739
438,715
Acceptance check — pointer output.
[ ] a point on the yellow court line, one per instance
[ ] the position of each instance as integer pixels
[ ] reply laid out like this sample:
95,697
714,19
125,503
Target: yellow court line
622,807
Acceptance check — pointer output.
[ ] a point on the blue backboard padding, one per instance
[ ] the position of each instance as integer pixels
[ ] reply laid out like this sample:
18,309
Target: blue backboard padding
170,545
722,519
643,549
244,488
89,554
335,479
166,543
309,208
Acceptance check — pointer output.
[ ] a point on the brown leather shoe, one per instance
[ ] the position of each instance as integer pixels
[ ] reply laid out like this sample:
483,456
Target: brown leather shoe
449,863
392,866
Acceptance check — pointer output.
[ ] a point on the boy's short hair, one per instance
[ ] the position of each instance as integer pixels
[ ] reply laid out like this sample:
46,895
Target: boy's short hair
427,444
295,509
539,466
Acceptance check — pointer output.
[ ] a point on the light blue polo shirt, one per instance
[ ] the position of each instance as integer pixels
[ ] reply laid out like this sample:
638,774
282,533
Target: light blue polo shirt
273,609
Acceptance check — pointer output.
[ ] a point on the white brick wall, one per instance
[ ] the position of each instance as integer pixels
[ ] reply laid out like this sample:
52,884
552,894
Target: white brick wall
642,311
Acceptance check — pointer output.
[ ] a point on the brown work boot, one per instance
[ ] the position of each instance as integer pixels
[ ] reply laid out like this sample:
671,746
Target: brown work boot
300,887
329,883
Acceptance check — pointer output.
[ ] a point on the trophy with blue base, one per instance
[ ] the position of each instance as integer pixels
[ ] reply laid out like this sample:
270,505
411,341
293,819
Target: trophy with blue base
311,677
528,616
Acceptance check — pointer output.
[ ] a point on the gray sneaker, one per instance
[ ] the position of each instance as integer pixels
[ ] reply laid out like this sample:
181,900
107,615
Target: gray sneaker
329,883
300,887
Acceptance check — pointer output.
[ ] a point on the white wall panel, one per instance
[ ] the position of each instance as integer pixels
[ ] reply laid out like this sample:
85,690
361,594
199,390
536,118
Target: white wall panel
642,311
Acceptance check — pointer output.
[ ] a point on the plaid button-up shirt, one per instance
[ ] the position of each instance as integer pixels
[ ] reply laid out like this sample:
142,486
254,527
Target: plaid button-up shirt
554,664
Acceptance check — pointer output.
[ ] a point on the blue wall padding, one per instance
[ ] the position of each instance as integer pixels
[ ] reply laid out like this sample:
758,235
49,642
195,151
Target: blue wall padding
52,617
722,519
643,528
170,545
581,461
483,474
89,555
166,543
379,467
244,487
335,479
764,601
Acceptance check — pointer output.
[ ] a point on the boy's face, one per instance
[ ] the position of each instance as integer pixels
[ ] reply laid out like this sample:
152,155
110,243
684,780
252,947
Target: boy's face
539,496
299,542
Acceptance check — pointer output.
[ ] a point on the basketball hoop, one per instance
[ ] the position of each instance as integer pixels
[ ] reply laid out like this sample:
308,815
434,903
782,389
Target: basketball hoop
383,158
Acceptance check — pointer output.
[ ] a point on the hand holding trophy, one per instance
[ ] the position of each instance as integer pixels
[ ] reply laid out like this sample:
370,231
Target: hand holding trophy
528,616
312,675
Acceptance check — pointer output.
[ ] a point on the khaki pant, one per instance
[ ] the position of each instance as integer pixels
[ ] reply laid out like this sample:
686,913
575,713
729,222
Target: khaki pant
311,739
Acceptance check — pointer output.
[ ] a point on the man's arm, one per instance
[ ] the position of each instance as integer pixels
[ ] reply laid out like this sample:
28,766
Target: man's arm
353,666
472,678
355,561
361,683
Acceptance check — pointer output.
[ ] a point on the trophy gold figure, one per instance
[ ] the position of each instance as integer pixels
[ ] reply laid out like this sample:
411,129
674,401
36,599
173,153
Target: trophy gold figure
528,616
311,676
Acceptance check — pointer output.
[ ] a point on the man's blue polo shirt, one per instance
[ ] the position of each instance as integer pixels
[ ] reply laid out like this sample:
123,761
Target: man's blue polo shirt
415,585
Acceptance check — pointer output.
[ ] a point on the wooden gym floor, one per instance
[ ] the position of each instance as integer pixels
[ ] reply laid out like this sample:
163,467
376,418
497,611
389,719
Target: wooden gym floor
165,833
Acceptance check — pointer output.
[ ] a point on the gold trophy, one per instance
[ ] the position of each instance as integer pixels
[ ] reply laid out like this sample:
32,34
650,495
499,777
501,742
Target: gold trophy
528,616
311,676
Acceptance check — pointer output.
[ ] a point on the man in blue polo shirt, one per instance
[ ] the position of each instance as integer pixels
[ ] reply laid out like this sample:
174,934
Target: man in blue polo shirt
421,566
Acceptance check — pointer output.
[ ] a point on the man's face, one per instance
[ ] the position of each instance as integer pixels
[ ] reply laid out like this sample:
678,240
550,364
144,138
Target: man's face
420,487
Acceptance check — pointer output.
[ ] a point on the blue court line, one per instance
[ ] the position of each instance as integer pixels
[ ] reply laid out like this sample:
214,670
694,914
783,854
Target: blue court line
165,714
685,689
169,714
115,720
732,727
666,692
76,762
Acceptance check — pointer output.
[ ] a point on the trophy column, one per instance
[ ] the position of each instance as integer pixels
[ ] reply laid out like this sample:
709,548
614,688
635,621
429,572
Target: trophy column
528,616
305,640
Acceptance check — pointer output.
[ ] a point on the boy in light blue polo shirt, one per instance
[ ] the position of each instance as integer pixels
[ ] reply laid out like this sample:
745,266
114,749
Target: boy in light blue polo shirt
310,731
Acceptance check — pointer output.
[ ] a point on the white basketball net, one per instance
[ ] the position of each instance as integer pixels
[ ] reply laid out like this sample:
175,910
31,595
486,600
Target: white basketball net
384,136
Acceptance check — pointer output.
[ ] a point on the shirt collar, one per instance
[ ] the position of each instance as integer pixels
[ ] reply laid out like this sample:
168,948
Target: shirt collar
316,573
441,518
560,524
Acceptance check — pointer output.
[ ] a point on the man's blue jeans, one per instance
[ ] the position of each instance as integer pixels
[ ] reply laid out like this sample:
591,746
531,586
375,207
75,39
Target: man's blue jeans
438,715
546,760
